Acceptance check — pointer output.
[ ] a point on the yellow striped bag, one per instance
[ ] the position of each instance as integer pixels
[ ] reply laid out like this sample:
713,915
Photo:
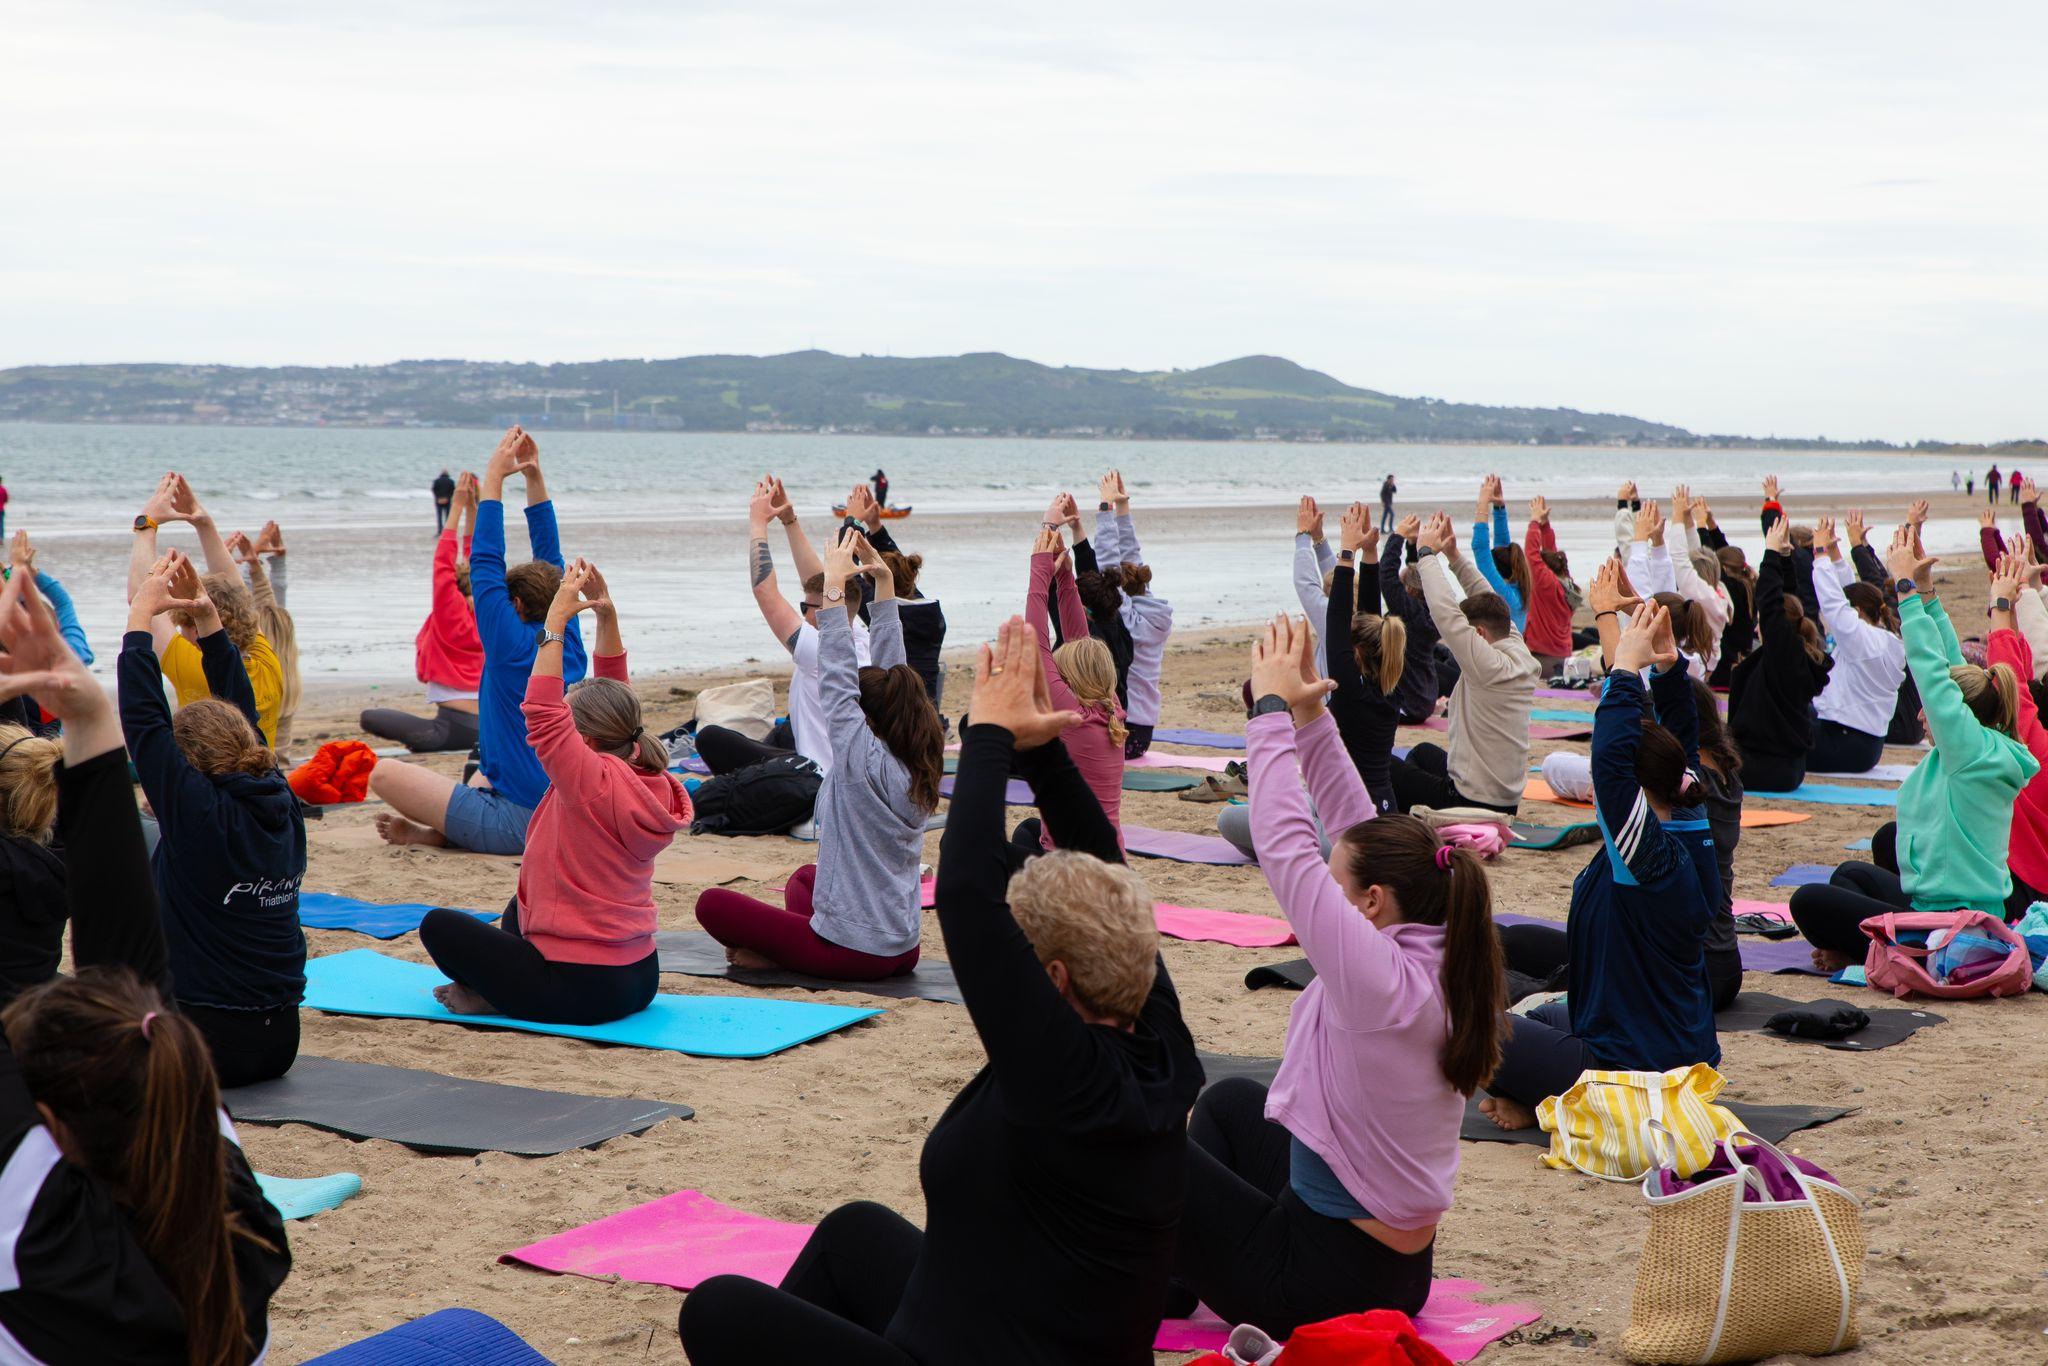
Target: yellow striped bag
1602,1125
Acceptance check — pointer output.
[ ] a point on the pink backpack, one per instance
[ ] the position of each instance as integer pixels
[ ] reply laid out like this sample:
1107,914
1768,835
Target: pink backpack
1902,969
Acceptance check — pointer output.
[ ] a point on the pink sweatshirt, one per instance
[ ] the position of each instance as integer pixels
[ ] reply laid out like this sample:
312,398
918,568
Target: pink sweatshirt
1359,1082
2027,852
586,885
1095,751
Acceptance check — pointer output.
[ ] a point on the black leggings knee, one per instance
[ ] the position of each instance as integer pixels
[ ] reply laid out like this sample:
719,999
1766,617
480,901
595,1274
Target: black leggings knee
728,751
1831,916
518,980
448,730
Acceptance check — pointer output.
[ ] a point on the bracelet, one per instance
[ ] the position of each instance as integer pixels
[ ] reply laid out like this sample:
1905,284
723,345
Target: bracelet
1610,612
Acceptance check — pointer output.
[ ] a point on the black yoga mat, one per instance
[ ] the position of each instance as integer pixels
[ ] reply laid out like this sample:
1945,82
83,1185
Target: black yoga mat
1294,974
696,954
441,1114
1752,1010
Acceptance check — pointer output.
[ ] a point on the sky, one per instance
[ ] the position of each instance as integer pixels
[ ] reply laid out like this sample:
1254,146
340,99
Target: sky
1810,219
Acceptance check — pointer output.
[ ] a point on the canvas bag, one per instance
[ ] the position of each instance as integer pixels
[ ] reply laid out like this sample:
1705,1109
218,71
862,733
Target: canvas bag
1738,1266
747,707
1602,1125
1902,969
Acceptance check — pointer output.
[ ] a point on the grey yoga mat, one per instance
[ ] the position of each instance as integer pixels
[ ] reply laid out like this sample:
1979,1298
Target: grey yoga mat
1751,1011
696,954
441,1114
1775,1123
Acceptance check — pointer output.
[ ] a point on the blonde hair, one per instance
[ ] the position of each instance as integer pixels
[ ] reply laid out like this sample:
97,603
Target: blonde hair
1706,564
28,783
1993,694
1090,670
607,714
217,739
1096,918
283,635
237,609
1380,645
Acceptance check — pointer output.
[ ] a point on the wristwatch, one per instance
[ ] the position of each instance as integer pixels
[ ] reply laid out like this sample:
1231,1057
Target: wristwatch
145,522
2002,605
835,595
1905,588
548,637
1271,702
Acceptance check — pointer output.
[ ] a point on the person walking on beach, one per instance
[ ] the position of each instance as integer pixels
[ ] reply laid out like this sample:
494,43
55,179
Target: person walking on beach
444,498
1387,506
1955,480
2014,480
1991,485
881,483
3,507
1970,484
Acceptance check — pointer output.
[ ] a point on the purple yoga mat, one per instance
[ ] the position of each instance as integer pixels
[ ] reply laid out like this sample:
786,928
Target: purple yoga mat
1438,723
1207,739
1182,848
1016,792
1758,955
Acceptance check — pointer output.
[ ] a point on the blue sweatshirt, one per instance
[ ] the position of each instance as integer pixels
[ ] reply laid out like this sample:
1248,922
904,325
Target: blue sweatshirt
232,853
509,647
67,615
1642,908
1482,556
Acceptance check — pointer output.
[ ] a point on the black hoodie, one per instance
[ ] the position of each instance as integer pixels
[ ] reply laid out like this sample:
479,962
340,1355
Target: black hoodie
32,914
233,847
1770,696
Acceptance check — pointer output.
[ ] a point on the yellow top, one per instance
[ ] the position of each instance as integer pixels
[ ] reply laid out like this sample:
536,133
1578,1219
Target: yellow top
182,665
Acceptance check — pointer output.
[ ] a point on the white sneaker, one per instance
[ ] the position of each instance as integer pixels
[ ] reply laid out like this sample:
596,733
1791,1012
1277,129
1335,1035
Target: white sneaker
804,830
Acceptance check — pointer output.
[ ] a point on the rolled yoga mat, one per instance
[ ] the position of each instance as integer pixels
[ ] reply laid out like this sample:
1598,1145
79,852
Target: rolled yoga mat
438,1114
379,920
365,982
447,1337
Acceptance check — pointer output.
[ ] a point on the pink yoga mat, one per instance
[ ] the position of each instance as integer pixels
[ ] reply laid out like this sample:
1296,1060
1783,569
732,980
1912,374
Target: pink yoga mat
1207,763
1455,1325
1222,927
685,1239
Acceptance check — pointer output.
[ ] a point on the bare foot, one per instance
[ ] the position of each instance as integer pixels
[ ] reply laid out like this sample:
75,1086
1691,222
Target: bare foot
398,830
748,958
460,1000
1507,1114
1828,962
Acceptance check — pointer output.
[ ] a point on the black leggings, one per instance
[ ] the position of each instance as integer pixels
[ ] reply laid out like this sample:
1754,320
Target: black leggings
247,1045
728,751
834,1305
1137,739
509,972
1252,1251
1766,773
1542,952
1831,916
1424,779
1839,749
447,730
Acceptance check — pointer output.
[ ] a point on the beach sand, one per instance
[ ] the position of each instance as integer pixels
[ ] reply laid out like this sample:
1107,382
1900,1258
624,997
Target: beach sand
1941,1144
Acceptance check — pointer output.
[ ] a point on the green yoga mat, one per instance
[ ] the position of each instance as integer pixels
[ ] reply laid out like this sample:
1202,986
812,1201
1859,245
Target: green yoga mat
1151,780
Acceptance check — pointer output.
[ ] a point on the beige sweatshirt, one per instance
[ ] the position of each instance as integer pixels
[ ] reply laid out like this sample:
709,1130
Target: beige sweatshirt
1489,749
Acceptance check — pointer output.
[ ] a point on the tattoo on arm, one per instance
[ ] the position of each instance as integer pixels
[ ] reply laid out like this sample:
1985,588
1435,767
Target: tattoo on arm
764,563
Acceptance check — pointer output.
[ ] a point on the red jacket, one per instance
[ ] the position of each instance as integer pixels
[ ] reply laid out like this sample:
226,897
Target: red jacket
1548,627
586,885
2027,855
447,651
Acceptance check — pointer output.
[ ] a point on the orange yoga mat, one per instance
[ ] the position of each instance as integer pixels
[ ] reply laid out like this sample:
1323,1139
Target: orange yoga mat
1752,818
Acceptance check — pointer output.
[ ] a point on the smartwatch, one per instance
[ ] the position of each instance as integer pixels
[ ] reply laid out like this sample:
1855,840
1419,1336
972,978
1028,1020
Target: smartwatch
2002,605
1905,588
548,637
144,522
1271,702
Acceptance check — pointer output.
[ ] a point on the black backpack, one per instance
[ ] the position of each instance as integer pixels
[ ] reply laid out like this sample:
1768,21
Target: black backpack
761,799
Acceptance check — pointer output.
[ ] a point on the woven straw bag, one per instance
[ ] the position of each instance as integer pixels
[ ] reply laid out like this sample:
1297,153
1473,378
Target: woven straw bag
1728,1279
1602,1125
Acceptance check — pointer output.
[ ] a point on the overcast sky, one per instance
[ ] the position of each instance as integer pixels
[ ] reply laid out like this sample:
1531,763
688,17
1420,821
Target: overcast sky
1809,218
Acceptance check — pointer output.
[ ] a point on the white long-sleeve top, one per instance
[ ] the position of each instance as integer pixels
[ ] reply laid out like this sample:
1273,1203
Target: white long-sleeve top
1653,569
1870,662
2030,614
1712,598
1149,619
1313,560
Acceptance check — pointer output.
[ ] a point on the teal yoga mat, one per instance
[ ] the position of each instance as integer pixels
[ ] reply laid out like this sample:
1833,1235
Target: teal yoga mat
379,920
365,982
1832,794
303,1197
1557,717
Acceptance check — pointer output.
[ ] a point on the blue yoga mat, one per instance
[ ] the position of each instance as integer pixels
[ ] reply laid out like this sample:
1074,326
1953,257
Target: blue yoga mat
1208,739
303,1197
1833,794
365,982
1804,875
450,1337
326,911
1553,716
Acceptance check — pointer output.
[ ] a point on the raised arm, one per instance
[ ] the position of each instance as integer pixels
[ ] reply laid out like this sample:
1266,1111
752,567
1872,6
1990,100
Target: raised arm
1628,826
573,767
801,552
65,612
885,627
173,786
213,549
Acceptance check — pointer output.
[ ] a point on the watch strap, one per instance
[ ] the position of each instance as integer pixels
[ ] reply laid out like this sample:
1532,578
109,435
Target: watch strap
1905,588
548,637
1271,702
2002,605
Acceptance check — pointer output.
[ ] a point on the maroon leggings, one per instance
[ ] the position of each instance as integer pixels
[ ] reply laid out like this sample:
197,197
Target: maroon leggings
784,933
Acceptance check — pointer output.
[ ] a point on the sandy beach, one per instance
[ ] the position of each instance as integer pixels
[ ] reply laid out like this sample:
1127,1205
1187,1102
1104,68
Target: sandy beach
1939,1143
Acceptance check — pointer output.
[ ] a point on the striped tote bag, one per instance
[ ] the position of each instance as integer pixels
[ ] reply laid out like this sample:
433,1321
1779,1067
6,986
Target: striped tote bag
1602,1125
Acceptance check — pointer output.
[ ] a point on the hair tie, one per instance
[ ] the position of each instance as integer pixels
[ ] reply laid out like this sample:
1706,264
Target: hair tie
1443,858
10,748
145,1024
638,731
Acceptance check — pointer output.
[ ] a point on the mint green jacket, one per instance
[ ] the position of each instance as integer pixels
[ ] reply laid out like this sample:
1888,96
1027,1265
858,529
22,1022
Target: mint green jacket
1955,811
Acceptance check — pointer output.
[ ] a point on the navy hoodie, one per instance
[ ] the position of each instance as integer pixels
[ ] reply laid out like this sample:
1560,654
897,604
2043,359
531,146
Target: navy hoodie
233,848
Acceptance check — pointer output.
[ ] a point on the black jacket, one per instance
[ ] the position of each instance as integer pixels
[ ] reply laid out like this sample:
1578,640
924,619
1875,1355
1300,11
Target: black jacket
1770,697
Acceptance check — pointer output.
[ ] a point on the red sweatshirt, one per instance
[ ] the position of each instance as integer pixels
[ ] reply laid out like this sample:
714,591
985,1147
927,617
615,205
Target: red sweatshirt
447,651
586,885
1548,628
2027,854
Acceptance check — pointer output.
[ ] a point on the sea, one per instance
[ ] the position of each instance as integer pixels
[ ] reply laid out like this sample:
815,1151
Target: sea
664,515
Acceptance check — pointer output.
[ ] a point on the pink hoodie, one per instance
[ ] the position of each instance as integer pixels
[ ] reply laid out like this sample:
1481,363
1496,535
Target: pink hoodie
586,885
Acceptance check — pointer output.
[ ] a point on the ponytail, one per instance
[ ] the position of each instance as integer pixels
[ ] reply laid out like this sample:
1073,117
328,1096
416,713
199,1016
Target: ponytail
1380,645
133,1084
899,711
1872,606
1440,884
1088,668
1992,694
607,714
1689,623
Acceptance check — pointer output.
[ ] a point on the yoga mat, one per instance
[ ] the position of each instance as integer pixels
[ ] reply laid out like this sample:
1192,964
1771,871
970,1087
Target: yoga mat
1556,716
1207,739
1182,848
1294,974
1826,795
379,920
1882,773
1222,927
1775,1123
1858,846
1016,792
1527,836
304,1197
1207,763
1749,1012
1804,875
1536,732
440,1114
680,1241
447,1337
696,954
1455,1324
365,982
1140,780
1536,790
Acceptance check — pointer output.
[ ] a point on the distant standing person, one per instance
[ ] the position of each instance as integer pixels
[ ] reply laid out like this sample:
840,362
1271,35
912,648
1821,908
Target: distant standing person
1955,480
2014,481
1387,506
444,497
881,483
1970,484
3,507
1991,485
